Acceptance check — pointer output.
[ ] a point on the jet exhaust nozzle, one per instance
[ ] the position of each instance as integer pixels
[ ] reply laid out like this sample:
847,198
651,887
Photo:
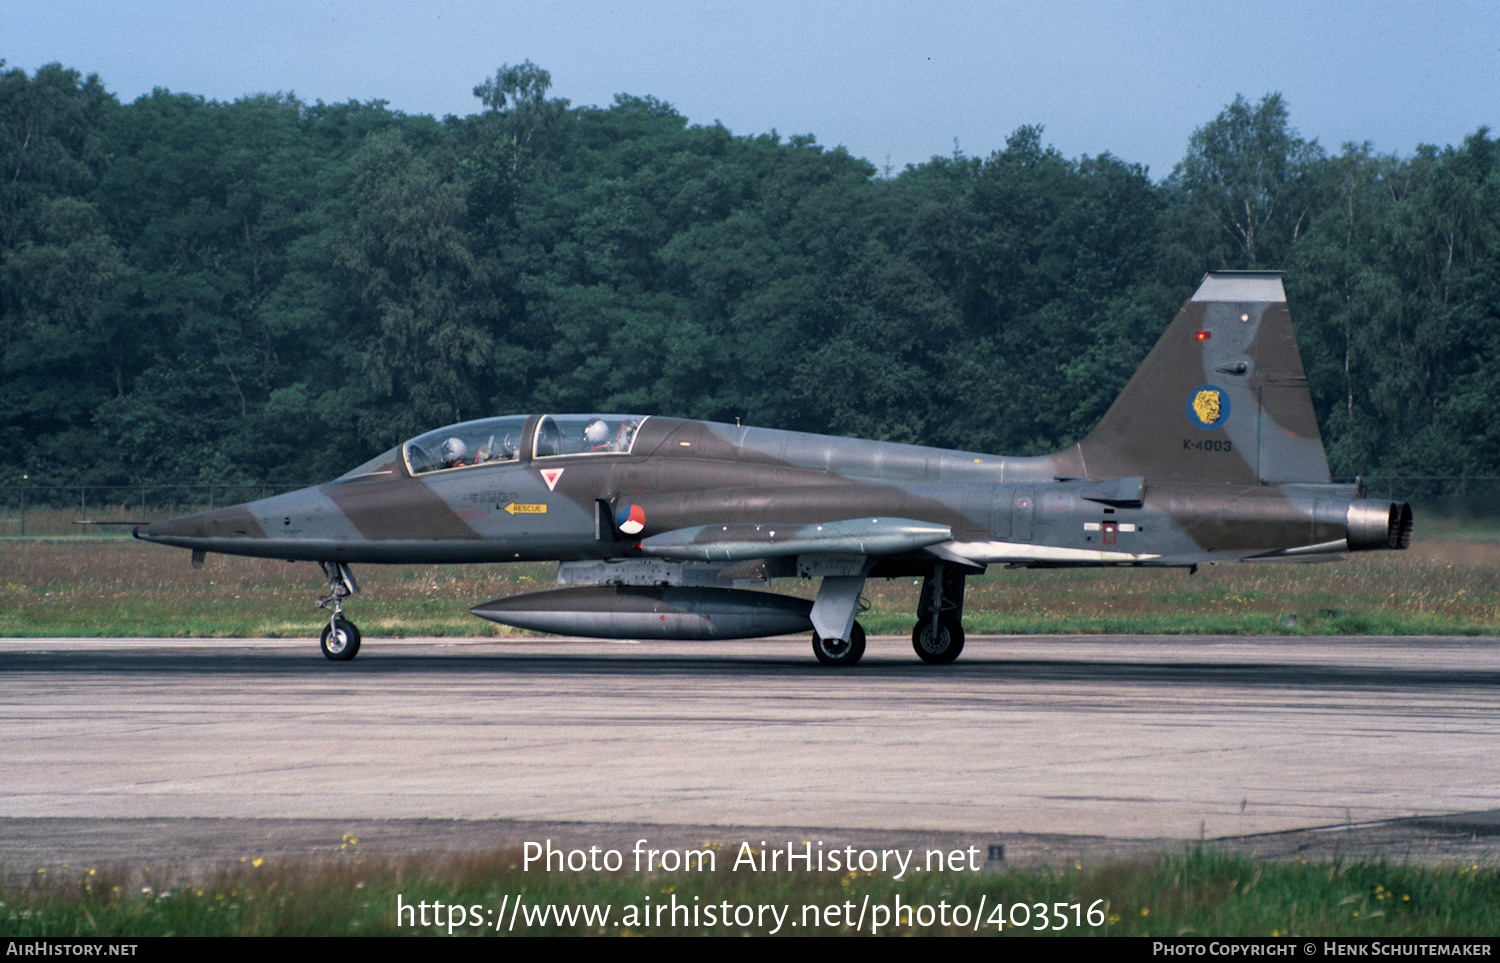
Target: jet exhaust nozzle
1374,524
652,612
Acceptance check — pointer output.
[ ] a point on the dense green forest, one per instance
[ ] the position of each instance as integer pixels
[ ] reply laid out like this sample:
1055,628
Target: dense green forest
267,289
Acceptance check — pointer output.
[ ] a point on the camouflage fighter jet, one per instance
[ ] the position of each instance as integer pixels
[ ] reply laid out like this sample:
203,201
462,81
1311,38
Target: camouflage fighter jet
1210,454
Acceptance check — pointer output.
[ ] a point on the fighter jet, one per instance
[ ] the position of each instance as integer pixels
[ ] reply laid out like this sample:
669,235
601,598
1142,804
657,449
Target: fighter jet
1211,453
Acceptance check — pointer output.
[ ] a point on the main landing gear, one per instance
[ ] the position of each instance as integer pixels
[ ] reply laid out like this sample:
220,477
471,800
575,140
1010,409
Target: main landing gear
938,636
840,651
340,640
837,638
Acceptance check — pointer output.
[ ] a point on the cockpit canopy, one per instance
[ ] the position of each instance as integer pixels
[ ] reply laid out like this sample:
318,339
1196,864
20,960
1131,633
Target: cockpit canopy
495,440
462,446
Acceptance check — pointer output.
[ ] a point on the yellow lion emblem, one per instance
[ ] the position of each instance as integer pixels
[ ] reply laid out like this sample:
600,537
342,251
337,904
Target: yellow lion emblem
1206,406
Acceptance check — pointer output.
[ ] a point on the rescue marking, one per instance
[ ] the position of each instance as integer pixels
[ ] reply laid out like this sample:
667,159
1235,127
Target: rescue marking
519,508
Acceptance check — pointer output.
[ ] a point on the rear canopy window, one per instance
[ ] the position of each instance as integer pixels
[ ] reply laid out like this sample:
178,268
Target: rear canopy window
585,434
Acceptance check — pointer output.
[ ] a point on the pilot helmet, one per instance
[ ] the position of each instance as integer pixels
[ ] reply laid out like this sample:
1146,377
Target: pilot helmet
596,432
454,450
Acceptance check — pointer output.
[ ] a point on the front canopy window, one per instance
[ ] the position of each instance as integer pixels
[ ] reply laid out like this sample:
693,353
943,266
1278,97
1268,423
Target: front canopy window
585,434
481,442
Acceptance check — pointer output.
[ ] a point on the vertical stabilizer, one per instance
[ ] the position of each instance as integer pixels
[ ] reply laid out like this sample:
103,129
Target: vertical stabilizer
1221,398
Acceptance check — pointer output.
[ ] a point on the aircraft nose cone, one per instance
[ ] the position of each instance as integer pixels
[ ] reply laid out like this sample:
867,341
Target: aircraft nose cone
187,530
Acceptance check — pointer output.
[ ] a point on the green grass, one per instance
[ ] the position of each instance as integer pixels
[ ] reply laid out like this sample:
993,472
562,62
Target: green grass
121,587
1197,893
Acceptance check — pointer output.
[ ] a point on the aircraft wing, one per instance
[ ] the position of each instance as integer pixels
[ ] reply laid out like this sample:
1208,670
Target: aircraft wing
739,542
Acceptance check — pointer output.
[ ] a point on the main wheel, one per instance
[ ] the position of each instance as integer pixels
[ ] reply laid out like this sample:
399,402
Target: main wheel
839,651
938,644
340,640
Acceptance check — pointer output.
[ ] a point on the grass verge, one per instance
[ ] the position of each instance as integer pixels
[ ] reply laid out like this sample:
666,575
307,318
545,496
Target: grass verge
1200,893
114,587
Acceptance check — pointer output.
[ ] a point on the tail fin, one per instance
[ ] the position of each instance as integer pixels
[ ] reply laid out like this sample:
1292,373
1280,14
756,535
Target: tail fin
1221,398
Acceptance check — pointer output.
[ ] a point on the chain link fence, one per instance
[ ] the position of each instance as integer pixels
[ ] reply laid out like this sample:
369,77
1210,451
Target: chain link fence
1441,498
60,510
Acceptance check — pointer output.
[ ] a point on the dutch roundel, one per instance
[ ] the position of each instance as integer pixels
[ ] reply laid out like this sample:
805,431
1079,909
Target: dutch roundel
630,519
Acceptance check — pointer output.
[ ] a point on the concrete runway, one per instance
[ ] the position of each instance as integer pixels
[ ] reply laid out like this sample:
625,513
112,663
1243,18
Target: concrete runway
1124,737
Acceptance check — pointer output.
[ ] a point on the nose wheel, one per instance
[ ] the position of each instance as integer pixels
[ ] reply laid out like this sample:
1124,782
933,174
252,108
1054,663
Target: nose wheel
340,641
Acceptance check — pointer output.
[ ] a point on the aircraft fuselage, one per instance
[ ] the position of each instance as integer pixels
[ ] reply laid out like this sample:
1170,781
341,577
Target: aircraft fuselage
684,474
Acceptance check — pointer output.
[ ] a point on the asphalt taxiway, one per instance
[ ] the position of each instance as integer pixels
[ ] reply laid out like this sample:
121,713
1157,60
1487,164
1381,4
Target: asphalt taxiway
1117,737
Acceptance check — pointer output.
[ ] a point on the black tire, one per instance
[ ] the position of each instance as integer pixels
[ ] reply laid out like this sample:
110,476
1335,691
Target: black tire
340,640
940,644
838,651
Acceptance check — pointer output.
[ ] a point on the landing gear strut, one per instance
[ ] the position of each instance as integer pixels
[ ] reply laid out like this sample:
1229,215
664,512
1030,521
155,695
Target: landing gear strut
340,641
938,636
837,638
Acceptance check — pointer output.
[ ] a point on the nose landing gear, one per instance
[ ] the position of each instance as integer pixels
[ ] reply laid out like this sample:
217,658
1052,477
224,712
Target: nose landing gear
340,641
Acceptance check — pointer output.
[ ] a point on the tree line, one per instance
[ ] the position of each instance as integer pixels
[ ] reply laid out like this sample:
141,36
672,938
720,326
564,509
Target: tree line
195,290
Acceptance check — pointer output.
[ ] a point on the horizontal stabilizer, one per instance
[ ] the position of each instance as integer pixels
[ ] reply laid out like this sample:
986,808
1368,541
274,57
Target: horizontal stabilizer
1118,491
854,536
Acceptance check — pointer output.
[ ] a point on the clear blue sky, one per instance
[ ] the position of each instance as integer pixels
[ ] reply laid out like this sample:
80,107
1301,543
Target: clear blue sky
894,82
